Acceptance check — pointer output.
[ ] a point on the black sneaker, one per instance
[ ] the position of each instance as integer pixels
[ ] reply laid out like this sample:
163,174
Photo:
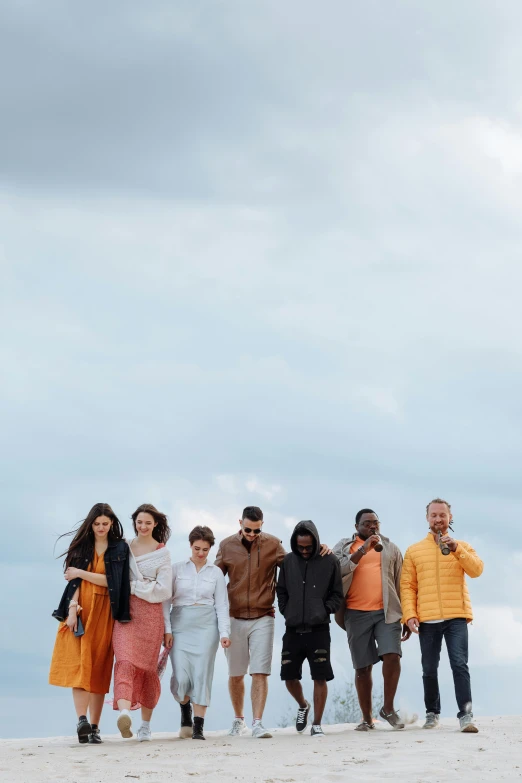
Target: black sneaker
186,720
94,736
317,731
83,729
302,718
197,731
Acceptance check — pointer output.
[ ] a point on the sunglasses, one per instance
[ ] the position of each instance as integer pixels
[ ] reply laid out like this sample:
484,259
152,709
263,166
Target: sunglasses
256,531
305,548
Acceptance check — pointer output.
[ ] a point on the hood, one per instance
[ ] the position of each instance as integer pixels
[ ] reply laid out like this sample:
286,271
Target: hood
310,528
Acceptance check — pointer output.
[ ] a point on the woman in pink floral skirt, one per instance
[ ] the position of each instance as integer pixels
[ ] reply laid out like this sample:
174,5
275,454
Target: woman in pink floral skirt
137,644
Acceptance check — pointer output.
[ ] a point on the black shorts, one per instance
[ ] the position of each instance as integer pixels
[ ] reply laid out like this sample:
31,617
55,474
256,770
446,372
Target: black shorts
314,646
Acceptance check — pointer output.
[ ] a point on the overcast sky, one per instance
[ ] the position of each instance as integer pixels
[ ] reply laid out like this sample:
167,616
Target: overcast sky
259,253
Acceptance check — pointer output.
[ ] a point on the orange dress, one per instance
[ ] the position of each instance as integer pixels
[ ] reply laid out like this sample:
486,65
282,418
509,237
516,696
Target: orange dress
86,661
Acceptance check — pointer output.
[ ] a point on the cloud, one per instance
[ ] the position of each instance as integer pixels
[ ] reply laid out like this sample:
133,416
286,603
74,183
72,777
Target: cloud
498,635
241,486
221,522
268,492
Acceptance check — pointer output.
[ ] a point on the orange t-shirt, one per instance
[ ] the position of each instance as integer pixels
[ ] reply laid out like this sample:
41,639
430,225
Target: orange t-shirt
365,591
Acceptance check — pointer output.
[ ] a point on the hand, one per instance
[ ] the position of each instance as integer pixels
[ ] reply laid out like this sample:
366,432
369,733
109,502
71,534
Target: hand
370,543
413,624
406,633
225,642
325,550
168,641
72,573
72,620
452,544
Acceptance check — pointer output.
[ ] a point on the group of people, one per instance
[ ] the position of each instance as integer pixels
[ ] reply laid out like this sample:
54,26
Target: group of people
124,599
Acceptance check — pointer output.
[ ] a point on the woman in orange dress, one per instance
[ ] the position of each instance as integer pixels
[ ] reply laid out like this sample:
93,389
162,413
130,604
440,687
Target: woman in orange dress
97,593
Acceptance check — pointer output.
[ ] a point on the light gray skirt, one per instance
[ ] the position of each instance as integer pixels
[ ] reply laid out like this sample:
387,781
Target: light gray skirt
196,640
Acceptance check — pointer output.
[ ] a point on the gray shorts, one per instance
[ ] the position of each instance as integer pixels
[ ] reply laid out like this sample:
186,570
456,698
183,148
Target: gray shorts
252,642
369,637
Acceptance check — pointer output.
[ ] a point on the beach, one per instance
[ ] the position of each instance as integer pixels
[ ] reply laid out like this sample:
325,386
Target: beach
411,756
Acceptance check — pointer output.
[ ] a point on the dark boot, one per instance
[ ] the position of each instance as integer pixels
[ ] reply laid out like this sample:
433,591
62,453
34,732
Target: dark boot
94,736
186,720
197,732
83,729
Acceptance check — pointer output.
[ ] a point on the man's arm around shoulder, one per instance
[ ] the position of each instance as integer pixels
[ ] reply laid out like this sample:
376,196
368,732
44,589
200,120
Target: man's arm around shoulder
342,552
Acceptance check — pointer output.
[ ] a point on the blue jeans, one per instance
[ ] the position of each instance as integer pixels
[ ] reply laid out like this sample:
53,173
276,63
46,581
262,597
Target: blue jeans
455,632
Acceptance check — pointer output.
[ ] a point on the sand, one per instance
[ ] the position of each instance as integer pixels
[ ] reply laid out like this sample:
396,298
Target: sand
411,756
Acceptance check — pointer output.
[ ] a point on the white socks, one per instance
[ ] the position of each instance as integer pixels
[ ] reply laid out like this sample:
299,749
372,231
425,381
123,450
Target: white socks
125,712
145,724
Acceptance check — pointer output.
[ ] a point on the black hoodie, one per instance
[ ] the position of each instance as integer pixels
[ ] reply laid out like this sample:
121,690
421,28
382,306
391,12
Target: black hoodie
308,591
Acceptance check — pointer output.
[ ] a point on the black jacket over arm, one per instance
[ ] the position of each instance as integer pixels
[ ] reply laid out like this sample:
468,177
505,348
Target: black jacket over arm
116,559
309,591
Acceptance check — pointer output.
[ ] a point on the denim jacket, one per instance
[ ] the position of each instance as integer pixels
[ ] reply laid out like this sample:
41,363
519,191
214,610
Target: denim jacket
116,559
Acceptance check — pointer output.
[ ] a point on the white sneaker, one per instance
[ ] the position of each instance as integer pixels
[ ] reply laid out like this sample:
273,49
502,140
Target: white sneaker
144,734
432,721
467,725
239,728
259,731
124,724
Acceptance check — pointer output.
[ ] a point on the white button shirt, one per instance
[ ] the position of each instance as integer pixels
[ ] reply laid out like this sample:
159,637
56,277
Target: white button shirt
207,587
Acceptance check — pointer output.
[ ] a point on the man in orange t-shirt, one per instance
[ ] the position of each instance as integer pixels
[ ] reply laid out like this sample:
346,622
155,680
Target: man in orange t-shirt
371,568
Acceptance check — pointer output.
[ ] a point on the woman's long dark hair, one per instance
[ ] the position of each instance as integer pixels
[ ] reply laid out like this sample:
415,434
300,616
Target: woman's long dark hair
161,532
81,548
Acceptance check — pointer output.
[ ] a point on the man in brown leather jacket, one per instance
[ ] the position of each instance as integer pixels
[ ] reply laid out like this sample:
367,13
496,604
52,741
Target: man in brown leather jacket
250,559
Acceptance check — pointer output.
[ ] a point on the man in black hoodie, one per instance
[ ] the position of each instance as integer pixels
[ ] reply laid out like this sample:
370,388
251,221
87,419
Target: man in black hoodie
309,590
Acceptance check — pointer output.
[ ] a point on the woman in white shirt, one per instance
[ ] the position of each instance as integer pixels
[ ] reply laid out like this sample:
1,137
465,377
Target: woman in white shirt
195,618
137,644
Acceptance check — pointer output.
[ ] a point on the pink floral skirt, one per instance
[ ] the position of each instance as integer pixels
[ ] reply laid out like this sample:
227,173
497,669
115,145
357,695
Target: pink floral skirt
136,648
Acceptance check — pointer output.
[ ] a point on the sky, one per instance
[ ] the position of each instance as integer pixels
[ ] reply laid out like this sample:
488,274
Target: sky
259,253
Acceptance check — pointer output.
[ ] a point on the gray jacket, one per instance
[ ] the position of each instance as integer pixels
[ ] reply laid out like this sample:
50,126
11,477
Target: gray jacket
391,567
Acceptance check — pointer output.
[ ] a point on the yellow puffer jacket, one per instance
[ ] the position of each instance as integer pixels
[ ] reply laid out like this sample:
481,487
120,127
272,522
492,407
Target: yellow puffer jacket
433,585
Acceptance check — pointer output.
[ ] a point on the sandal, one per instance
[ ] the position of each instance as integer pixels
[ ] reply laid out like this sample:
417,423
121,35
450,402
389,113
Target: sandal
364,726
392,718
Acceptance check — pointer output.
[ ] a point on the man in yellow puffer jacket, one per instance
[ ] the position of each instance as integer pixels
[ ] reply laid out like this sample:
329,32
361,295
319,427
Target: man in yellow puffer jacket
436,605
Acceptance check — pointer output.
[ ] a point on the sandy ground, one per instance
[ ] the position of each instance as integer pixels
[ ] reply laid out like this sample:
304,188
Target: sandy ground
411,756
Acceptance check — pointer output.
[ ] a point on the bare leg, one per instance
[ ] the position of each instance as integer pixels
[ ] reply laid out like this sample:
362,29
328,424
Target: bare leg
81,701
146,713
391,671
236,688
199,710
320,695
124,704
295,688
363,685
95,707
259,694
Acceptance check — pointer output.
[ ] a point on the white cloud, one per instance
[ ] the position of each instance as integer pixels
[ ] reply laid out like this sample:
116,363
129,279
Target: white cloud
238,485
266,491
497,632
382,400
498,141
228,484
223,522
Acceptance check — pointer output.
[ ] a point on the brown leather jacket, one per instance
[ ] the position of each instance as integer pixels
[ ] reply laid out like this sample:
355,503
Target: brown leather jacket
251,574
